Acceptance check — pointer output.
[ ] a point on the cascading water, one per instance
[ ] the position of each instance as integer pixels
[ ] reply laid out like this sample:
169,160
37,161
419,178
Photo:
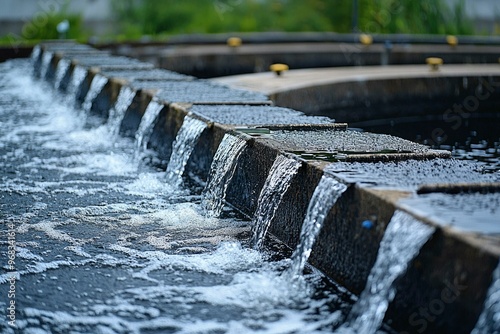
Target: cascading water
183,146
326,194
46,58
96,87
221,172
162,265
145,129
62,69
276,185
77,78
35,54
489,320
117,112
402,241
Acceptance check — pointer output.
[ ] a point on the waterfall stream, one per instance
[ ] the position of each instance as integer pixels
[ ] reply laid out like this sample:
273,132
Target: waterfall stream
402,241
46,58
326,194
145,129
96,87
62,69
221,172
489,320
117,112
276,185
77,77
183,146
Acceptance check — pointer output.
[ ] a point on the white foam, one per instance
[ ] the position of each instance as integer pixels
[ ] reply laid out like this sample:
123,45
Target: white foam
228,256
25,253
149,185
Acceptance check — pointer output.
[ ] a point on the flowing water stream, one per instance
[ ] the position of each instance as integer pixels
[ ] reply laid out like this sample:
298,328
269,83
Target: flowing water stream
183,146
326,194
145,129
96,87
61,70
46,58
275,187
117,112
221,172
489,320
402,241
78,75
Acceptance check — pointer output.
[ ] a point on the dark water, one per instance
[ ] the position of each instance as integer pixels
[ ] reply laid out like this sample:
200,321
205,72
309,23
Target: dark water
476,139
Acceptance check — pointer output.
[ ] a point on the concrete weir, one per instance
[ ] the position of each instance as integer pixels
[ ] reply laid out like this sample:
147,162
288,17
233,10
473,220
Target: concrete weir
446,284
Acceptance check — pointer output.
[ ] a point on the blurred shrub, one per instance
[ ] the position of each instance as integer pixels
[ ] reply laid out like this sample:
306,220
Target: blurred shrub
152,17
44,23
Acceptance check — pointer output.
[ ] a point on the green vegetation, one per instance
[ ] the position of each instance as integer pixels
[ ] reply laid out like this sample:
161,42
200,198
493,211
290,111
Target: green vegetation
43,26
158,19
155,18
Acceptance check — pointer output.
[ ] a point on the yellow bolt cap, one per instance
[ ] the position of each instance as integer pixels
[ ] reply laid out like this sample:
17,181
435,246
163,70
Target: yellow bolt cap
234,41
279,68
366,39
434,62
452,40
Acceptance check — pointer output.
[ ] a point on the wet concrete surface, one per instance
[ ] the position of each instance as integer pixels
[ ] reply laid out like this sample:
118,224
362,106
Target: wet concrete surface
347,141
110,62
469,212
411,174
207,92
153,74
255,115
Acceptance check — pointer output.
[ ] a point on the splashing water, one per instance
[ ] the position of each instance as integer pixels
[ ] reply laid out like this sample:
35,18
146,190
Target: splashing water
117,112
77,77
183,146
323,199
145,129
276,185
62,69
35,54
402,241
96,87
46,58
221,172
489,320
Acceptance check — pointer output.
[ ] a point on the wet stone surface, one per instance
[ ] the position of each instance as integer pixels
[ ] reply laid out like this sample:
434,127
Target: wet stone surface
110,62
409,175
202,91
152,74
255,115
105,245
470,212
66,46
347,141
